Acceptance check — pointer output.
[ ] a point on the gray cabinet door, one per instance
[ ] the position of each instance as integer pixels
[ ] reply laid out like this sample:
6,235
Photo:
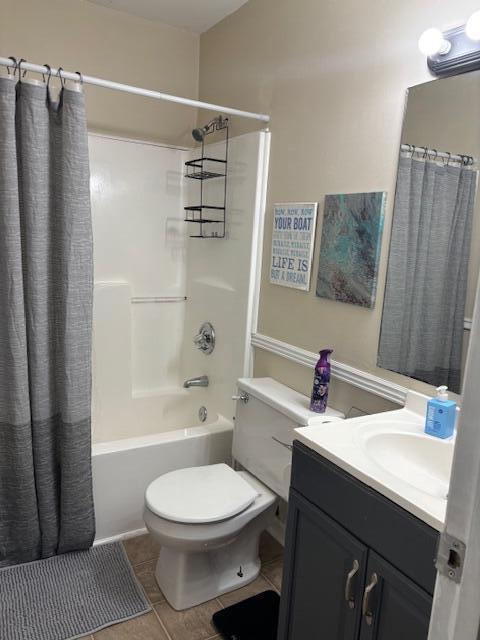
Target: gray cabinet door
395,608
319,600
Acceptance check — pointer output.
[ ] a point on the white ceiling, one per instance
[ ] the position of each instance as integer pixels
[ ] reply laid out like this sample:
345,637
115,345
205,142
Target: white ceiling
194,15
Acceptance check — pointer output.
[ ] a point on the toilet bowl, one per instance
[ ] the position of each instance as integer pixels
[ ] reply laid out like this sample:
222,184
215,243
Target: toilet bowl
208,522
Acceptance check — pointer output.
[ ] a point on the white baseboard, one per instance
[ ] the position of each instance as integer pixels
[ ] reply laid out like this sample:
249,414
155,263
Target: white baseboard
121,536
277,531
356,377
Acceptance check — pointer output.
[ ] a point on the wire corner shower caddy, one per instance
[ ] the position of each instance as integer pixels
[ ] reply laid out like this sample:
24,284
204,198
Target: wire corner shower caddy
210,218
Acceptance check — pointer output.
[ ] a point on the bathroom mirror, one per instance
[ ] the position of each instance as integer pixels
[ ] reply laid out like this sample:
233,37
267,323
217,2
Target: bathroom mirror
435,240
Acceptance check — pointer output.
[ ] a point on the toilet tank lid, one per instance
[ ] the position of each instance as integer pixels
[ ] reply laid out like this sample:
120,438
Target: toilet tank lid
199,495
287,401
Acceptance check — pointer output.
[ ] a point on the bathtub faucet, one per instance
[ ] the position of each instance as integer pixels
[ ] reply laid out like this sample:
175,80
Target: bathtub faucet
201,381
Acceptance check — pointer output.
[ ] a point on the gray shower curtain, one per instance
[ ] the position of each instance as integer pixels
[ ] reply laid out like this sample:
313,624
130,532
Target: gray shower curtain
424,307
46,504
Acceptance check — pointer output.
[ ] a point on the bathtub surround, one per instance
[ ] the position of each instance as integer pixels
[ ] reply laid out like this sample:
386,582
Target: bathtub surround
222,276
46,275
139,254
92,589
141,251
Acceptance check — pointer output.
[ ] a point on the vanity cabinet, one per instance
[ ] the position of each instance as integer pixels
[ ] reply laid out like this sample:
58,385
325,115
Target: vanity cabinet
357,566
395,608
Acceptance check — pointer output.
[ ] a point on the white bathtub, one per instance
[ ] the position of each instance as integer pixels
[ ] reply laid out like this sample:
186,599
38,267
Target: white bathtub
122,469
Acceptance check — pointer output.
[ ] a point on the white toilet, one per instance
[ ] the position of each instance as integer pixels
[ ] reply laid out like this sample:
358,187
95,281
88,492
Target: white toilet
208,520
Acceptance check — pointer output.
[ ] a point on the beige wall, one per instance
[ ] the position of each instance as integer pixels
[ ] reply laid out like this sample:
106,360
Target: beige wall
76,34
333,77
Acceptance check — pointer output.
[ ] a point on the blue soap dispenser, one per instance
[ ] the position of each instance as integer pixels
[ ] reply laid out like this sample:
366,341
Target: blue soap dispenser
441,415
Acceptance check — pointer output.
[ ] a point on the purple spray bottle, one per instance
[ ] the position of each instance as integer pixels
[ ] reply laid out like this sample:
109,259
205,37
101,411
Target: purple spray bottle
318,401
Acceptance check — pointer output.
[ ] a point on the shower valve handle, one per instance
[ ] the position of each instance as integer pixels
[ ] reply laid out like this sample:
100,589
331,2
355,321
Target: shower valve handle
205,338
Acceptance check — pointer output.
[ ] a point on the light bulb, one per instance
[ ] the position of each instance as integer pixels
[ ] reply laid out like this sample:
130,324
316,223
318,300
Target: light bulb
472,28
432,42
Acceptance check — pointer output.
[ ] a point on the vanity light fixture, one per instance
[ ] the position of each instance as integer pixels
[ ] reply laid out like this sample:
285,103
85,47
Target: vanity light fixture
432,43
452,51
472,28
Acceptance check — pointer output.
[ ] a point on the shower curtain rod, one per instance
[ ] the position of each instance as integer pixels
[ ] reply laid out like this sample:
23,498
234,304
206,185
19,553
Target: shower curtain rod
126,88
438,154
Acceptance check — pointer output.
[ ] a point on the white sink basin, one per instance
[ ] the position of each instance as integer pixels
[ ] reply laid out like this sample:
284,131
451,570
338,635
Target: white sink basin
391,453
419,460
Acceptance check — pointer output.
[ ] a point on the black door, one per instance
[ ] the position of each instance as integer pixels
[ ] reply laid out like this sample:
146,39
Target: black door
394,608
323,578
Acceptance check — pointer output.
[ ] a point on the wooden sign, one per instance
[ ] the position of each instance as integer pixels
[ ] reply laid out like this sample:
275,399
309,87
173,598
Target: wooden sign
293,239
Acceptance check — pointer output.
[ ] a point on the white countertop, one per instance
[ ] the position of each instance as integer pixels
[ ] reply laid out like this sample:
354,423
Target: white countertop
390,453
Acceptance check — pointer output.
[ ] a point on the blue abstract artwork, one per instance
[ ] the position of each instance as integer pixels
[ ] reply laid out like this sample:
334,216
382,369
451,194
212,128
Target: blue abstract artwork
350,248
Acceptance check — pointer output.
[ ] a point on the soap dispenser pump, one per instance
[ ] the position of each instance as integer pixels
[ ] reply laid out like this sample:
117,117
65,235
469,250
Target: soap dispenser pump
441,415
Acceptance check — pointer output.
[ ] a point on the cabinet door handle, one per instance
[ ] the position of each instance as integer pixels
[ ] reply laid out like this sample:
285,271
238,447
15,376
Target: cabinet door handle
367,612
349,598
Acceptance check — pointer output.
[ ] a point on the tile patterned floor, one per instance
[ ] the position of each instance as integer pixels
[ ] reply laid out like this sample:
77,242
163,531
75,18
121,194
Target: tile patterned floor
164,623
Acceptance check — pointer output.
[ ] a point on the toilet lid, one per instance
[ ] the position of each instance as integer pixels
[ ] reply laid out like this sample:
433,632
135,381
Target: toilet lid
199,494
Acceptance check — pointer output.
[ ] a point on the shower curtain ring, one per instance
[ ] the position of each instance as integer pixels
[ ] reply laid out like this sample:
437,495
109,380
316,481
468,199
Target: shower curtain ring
80,77
435,155
47,66
59,74
14,65
19,67
448,158
425,153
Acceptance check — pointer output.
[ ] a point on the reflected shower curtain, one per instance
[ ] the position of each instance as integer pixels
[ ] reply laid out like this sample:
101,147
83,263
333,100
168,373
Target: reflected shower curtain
46,272
424,307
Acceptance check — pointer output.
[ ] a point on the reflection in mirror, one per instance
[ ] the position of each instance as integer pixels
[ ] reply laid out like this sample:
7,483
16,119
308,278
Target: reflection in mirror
434,248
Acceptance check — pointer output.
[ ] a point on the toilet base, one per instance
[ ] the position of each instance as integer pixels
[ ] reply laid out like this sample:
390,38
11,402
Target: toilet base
188,579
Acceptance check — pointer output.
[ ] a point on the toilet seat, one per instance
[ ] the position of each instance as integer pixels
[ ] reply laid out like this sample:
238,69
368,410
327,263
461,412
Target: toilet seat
200,495
198,562
210,535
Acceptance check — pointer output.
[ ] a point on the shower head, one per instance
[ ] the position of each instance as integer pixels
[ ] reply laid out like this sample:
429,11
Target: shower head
214,125
199,134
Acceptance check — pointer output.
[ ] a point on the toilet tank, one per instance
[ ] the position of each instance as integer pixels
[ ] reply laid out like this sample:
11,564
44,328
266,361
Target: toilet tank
264,429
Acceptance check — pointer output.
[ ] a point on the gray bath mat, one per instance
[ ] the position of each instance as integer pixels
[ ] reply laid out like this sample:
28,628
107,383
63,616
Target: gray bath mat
68,596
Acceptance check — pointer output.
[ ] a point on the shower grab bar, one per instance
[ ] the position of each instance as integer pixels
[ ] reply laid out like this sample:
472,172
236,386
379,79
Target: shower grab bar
154,299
